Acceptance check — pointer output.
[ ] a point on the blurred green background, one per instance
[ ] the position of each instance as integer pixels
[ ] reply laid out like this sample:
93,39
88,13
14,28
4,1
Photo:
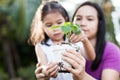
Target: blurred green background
17,57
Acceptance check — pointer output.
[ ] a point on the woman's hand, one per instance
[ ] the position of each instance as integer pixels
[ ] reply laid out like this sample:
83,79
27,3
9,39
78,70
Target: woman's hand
77,62
46,71
78,37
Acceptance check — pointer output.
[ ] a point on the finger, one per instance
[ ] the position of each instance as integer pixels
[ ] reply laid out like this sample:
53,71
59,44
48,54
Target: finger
40,75
72,56
38,64
70,61
38,70
75,56
54,73
74,38
51,67
78,55
69,69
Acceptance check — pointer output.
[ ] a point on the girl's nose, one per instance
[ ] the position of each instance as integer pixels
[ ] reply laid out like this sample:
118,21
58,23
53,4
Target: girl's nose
57,28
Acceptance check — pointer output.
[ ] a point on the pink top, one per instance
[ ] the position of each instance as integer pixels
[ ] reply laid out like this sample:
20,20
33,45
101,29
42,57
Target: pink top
111,60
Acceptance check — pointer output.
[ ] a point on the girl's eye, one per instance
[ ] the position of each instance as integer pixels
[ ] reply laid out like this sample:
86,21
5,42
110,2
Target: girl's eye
59,23
48,25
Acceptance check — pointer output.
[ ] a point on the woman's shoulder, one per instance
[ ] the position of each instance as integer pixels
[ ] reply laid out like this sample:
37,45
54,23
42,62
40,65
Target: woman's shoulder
111,46
112,51
111,56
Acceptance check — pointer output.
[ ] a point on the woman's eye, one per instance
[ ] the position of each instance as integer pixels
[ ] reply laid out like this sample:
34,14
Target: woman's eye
78,18
90,19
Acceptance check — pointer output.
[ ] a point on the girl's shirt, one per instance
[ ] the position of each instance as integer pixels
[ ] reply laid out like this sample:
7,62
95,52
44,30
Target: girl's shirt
111,60
47,49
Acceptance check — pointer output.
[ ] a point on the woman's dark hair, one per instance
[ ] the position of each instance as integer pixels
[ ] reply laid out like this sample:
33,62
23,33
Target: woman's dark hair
51,7
100,42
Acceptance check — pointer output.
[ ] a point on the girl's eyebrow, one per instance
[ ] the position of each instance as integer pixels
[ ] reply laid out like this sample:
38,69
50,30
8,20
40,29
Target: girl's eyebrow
59,20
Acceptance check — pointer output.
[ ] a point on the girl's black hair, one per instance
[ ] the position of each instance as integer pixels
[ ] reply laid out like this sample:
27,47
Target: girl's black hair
51,7
100,42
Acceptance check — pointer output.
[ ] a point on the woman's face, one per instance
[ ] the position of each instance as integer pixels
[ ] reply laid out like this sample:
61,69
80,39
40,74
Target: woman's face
86,17
53,19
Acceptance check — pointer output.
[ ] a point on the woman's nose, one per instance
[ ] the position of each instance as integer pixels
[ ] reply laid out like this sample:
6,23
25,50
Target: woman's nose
83,23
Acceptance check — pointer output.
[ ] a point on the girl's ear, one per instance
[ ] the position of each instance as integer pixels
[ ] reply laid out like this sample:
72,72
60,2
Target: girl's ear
66,19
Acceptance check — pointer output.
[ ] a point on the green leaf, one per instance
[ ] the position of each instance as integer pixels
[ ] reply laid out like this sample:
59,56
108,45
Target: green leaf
66,27
76,29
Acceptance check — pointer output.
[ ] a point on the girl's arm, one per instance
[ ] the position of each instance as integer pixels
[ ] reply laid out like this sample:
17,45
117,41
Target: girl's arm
47,69
41,57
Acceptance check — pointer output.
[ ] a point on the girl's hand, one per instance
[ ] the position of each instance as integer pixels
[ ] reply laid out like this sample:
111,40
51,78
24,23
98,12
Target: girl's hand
79,37
77,62
50,70
38,72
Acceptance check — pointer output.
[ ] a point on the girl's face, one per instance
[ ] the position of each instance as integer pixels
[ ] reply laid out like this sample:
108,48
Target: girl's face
86,17
53,19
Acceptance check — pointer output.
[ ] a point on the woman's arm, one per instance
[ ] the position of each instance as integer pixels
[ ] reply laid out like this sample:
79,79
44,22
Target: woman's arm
86,77
88,50
113,75
111,59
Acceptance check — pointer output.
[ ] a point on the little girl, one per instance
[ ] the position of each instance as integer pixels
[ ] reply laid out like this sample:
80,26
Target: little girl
42,37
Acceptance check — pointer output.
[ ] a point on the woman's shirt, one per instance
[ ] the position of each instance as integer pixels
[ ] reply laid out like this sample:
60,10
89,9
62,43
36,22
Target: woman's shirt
110,60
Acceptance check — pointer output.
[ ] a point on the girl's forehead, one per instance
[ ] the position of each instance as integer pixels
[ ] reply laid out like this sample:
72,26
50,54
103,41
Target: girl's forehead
53,15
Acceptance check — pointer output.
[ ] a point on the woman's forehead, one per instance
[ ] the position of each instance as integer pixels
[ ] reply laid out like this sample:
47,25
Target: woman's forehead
87,10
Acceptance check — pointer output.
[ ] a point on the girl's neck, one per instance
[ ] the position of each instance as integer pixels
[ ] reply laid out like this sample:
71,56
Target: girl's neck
57,41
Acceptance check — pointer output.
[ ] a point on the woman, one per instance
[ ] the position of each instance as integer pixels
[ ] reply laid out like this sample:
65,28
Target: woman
106,65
